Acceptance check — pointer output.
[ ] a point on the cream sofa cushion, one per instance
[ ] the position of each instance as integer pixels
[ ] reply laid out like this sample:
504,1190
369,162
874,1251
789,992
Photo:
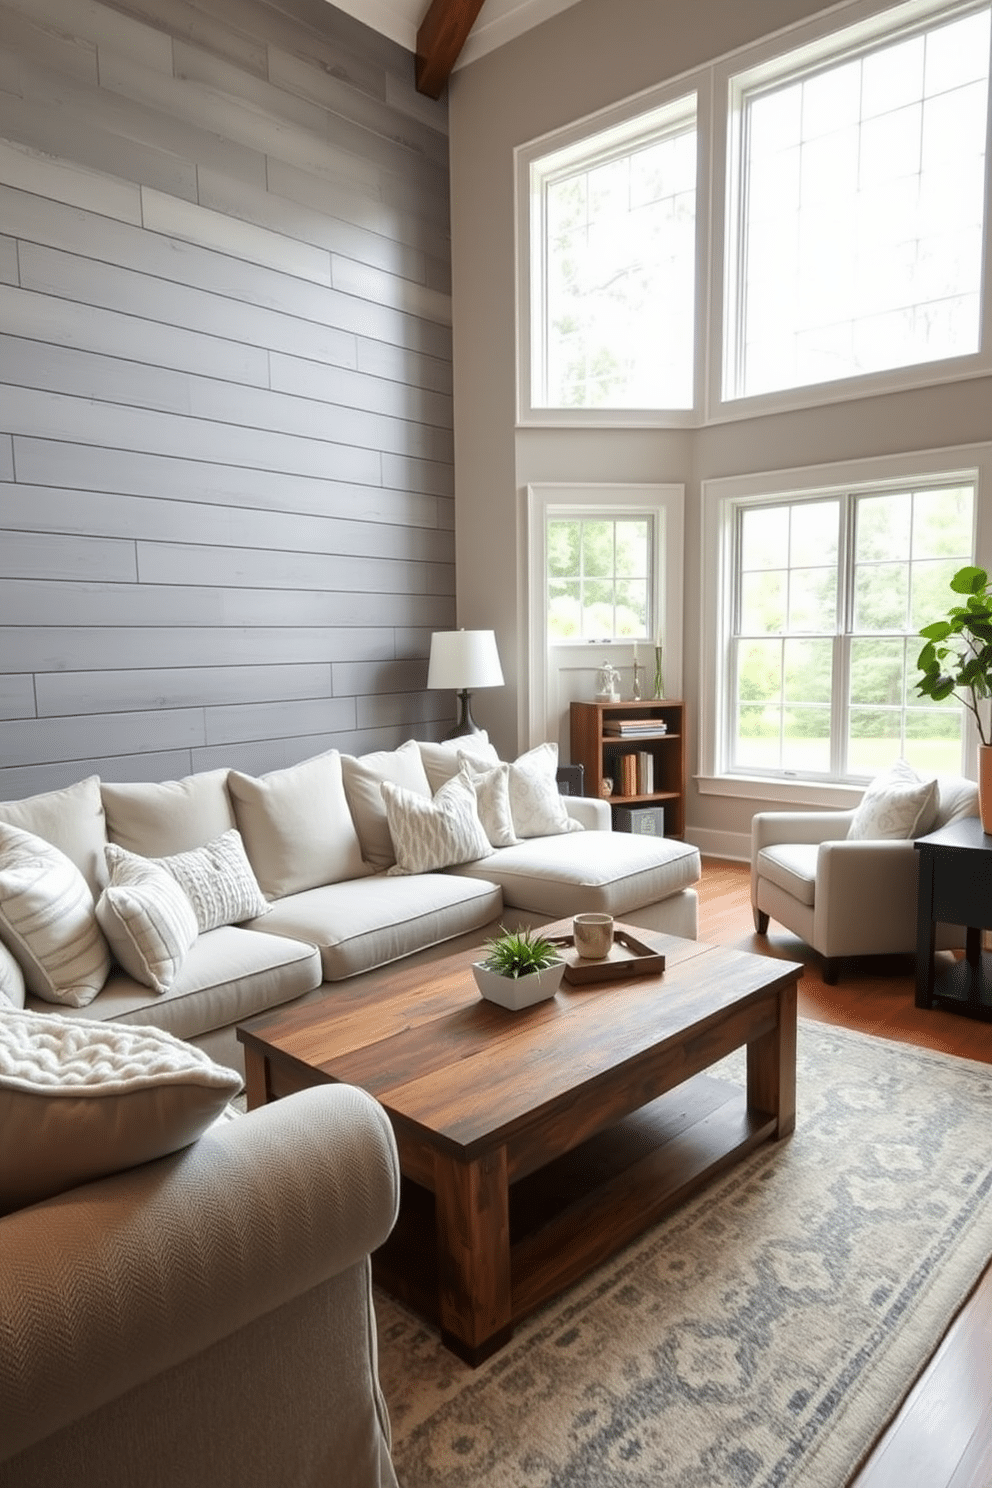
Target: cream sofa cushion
429,834
296,826
896,805
71,820
442,760
146,917
12,989
80,1100
363,777
48,920
171,816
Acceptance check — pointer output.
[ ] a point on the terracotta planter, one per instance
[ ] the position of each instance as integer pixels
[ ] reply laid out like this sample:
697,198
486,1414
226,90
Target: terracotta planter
985,786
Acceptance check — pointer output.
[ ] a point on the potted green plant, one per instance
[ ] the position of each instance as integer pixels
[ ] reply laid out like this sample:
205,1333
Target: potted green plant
957,659
520,968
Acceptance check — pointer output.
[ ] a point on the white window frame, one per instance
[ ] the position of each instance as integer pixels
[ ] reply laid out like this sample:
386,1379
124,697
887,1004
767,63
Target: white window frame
529,250
804,46
719,499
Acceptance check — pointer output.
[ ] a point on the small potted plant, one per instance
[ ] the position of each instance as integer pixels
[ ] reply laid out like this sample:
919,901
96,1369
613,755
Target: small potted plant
520,968
957,658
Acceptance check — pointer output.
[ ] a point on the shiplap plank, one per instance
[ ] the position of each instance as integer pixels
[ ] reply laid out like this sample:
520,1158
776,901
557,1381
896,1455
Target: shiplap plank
46,555
108,286
59,49
200,27
374,711
8,260
406,675
407,473
322,228
51,509
64,369
192,64
401,93
254,568
272,720
221,275
308,379
27,411
64,693
101,26
17,695
51,462
196,224
42,317
367,283
396,364
27,170
42,741
134,607
153,765
6,457
62,133
410,220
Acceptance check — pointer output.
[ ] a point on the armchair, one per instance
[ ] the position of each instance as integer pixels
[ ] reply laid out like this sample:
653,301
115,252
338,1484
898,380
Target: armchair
205,1318
845,897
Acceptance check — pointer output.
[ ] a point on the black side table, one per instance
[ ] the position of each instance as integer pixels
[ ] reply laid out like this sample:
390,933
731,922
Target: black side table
955,889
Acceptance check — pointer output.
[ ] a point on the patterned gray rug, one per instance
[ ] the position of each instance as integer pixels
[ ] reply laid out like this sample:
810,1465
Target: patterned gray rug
762,1335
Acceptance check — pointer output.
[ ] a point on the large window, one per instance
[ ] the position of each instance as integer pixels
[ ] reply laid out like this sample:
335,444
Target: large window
830,592
612,284
857,187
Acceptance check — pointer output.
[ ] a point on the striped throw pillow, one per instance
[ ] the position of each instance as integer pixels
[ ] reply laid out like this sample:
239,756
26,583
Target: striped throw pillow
146,917
48,920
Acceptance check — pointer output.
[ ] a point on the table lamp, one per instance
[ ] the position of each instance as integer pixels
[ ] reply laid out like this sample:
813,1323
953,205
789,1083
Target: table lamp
463,660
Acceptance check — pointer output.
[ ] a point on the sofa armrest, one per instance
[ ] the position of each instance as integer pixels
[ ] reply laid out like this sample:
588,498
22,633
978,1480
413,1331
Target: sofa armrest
108,1285
594,814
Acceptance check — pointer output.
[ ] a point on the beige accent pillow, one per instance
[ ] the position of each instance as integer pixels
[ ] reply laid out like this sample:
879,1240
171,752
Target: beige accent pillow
896,805
154,819
81,1099
363,778
218,881
71,820
430,834
146,917
11,979
48,920
440,760
537,805
492,799
296,826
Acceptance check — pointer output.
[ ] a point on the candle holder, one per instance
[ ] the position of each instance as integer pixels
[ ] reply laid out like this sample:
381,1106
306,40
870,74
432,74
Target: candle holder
659,678
636,689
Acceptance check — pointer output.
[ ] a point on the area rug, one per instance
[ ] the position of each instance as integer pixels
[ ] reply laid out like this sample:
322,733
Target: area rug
764,1334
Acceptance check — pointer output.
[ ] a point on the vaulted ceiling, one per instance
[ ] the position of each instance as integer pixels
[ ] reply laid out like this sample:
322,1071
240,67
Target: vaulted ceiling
444,33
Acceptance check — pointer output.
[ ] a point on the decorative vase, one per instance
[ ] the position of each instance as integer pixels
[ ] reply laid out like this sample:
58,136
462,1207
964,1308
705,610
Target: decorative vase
985,786
659,679
518,992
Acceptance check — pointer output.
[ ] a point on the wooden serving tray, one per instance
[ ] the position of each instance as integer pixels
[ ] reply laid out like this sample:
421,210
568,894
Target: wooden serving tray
628,957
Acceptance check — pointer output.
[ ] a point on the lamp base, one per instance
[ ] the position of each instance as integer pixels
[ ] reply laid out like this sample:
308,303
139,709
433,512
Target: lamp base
466,723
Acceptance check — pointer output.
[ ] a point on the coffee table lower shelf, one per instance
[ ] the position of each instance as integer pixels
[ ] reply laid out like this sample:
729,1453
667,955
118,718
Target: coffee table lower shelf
580,1209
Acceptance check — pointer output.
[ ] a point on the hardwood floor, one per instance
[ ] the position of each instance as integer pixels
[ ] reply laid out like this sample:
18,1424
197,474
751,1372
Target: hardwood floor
942,1436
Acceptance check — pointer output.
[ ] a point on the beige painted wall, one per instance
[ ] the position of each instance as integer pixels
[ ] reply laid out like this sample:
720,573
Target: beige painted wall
593,55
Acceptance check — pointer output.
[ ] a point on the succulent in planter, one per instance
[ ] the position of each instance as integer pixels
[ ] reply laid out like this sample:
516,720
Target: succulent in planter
520,968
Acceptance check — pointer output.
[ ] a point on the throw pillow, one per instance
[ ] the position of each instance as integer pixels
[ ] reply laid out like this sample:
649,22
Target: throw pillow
156,818
440,760
81,1099
218,882
296,826
492,799
70,819
537,806
363,778
11,980
48,920
429,834
147,919
897,804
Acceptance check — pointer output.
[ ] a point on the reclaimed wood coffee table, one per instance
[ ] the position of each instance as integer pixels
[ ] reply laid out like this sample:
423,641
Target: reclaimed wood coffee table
535,1144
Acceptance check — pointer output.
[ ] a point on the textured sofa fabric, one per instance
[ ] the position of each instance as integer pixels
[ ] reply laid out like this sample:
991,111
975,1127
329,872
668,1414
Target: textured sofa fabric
206,1318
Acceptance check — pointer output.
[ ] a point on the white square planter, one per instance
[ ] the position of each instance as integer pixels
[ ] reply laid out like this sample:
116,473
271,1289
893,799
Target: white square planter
518,992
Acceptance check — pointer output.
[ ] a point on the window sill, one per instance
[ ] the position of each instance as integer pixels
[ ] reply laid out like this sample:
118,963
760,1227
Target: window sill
786,793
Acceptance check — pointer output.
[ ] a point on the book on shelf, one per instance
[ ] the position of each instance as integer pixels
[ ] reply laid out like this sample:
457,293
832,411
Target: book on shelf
628,774
645,772
633,728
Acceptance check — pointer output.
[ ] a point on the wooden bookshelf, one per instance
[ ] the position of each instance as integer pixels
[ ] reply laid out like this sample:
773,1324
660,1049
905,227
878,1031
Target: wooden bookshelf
600,753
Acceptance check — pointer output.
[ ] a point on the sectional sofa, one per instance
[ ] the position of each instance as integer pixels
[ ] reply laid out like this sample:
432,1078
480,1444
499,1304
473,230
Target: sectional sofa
325,870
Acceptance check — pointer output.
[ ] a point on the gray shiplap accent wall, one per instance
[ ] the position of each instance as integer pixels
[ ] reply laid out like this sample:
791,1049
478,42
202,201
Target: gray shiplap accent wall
226,469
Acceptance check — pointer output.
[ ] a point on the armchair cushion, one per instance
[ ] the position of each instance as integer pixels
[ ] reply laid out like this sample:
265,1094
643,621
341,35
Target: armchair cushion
792,866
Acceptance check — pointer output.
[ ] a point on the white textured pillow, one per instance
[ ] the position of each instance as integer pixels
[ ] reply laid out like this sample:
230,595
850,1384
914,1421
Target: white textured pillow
296,826
431,834
218,882
492,799
536,803
146,917
896,805
48,920
11,980
363,778
440,760
81,1099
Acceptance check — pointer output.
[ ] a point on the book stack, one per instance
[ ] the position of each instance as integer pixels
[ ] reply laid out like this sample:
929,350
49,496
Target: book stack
635,728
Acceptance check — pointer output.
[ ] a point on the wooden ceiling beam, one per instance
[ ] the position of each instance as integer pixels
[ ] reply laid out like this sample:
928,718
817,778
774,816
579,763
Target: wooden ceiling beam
443,32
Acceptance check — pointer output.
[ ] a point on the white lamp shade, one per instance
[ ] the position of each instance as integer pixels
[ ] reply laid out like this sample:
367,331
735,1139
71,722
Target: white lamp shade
464,660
